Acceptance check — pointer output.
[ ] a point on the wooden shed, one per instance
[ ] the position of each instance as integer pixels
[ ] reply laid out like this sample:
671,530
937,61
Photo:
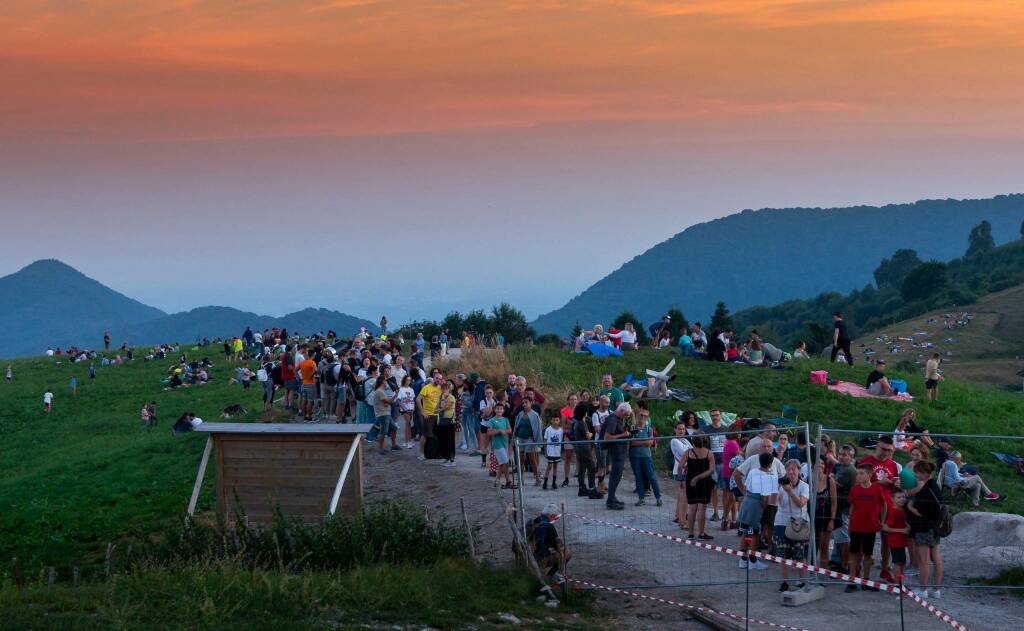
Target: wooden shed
308,470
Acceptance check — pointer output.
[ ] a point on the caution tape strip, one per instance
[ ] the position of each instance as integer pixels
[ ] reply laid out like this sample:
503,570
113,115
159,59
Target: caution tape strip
663,601
885,587
938,614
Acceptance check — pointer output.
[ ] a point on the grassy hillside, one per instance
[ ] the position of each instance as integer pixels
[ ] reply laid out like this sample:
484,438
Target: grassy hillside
771,255
988,350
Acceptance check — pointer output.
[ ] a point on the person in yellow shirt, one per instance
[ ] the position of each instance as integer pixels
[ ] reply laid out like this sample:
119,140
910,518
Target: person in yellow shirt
932,377
236,349
426,404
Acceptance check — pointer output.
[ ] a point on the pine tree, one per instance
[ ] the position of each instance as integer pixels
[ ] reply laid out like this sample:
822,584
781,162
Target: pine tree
721,319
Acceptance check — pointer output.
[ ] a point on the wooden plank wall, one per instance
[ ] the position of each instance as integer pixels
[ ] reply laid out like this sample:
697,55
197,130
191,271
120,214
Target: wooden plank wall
296,472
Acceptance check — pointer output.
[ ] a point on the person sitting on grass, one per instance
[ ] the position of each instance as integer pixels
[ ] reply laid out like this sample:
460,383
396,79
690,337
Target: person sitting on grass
548,549
878,383
753,353
957,477
908,424
800,352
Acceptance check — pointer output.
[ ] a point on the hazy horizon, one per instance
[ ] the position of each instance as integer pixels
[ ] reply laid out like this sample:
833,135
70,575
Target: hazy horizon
449,156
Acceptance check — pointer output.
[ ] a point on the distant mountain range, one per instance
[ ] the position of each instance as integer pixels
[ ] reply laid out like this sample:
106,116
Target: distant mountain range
767,256
50,303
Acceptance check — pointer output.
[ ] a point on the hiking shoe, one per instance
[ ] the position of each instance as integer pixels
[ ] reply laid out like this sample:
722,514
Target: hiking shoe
640,502
936,594
850,589
993,497
565,482
596,495
784,587
615,506
545,484
659,502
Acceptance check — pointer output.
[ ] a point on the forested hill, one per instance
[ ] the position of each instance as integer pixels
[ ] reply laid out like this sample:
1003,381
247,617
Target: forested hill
768,256
905,287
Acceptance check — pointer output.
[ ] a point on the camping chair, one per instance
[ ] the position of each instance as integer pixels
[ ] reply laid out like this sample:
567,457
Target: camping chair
790,417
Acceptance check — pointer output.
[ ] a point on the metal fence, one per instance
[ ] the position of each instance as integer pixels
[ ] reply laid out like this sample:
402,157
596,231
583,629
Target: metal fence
642,546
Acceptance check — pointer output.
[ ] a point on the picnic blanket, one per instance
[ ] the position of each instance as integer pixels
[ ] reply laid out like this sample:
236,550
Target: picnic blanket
599,349
1017,462
860,392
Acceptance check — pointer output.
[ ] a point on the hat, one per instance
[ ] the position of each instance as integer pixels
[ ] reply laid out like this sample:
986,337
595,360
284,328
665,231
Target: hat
550,509
880,361
474,377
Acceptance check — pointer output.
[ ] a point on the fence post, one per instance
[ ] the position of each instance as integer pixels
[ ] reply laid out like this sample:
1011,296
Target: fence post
519,484
750,547
812,483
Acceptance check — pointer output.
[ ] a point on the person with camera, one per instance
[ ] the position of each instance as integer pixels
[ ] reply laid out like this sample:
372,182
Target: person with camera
792,525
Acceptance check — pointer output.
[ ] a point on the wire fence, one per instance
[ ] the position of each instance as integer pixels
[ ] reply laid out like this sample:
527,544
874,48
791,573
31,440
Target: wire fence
662,537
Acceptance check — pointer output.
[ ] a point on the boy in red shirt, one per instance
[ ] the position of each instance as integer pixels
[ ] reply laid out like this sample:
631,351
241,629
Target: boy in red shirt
885,473
897,529
867,514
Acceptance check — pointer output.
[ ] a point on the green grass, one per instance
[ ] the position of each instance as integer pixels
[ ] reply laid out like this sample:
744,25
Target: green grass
448,594
965,408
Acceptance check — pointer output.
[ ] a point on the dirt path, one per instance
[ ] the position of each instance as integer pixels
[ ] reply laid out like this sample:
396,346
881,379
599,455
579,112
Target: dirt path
613,556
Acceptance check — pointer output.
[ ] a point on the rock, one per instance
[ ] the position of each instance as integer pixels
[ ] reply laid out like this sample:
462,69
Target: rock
509,618
1001,540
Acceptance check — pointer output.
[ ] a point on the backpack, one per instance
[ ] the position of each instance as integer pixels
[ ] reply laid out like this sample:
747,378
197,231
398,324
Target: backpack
361,391
329,377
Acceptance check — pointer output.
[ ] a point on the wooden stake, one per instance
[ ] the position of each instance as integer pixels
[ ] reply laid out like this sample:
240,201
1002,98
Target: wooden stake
51,577
469,531
107,562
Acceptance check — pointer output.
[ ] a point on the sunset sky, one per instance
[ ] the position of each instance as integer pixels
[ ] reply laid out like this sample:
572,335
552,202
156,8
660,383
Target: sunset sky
268,154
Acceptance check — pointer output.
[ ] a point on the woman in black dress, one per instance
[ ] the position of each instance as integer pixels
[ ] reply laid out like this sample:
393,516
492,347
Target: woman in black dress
699,484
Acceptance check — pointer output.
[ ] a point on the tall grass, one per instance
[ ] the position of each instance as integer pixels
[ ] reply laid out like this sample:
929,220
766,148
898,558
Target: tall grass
392,532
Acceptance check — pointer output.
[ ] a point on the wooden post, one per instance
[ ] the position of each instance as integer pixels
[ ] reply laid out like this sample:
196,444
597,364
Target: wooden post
356,445
469,531
51,577
199,476
107,562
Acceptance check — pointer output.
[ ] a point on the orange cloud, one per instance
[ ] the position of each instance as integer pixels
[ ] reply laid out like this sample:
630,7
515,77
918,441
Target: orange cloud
130,70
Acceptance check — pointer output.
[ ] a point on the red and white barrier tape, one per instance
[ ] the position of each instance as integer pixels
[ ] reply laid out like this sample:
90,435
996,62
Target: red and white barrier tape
895,589
938,614
885,587
723,614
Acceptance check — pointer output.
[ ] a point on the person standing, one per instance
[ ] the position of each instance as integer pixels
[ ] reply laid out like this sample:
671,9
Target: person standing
867,514
426,405
381,399
10,374
445,429
923,513
884,473
641,460
615,428
106,340
932,377
47,401
585,464
608,389
699,485
73,385
92,371
841,338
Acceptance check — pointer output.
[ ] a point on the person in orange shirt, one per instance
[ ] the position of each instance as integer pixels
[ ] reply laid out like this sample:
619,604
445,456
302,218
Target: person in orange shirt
307,369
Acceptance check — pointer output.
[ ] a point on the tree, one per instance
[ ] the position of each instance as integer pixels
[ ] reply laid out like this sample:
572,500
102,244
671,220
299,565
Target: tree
678,322
721,319
925,282
627,316
980,240
510,322
891,272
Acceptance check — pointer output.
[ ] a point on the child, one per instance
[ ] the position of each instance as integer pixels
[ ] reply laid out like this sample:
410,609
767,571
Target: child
897,530
10,374
144,415
553,450
759,488
73,385
499,432
152,413
47,401
731,456
867,514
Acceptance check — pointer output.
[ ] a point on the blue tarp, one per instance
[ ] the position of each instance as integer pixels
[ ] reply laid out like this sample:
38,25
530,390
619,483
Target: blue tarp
603,350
